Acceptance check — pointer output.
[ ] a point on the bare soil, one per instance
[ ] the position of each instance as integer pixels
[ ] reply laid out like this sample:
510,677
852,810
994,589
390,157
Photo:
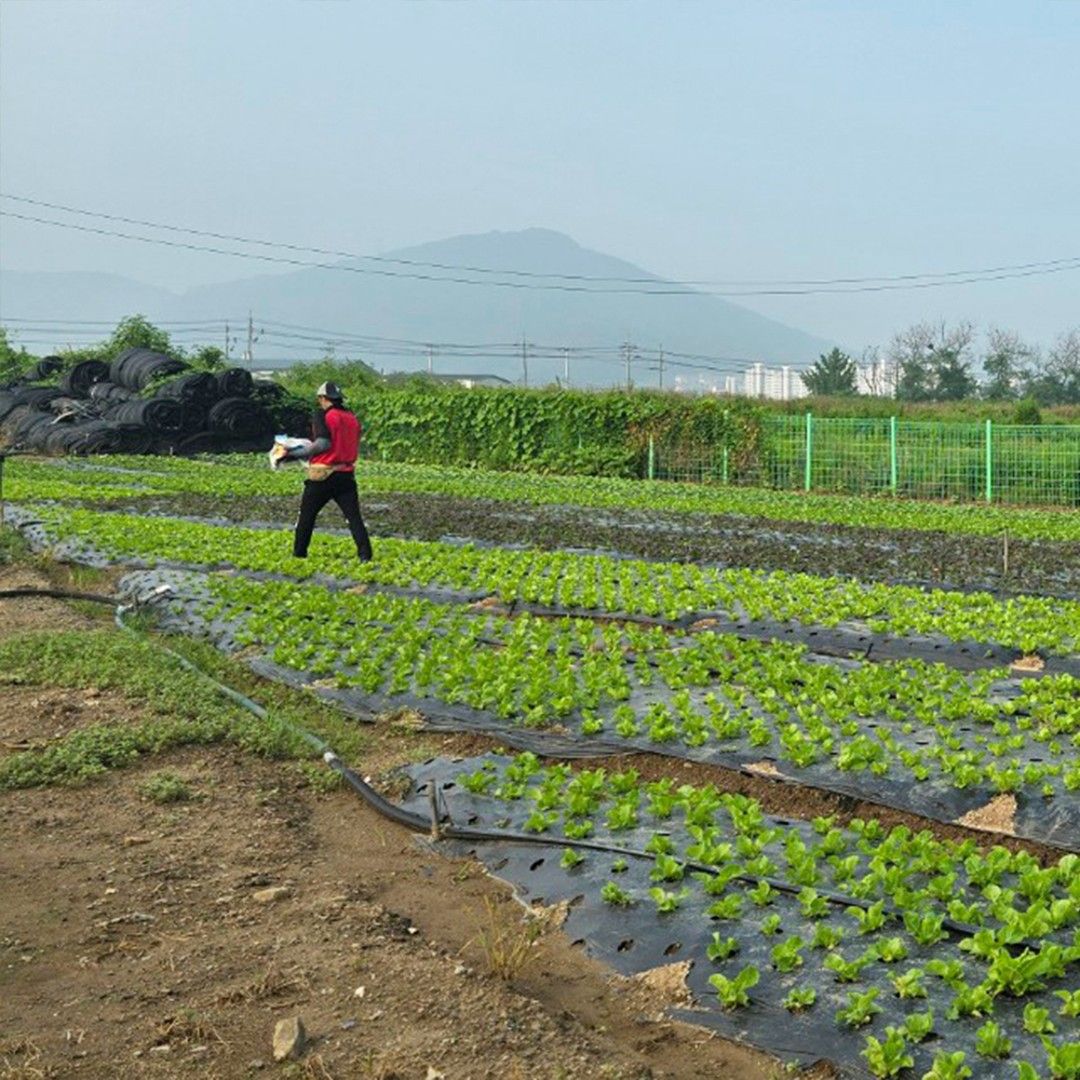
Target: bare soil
139,939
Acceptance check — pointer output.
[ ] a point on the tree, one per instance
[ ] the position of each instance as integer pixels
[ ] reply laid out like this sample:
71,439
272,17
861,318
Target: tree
833,375
13,362
207,358
1005,364
953,380
137,332
933,363
1056,381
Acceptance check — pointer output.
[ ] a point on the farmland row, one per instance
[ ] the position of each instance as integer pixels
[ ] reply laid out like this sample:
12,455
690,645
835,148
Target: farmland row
592,583
108,478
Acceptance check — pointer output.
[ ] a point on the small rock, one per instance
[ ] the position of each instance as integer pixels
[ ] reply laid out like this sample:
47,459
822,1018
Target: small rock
359,992
434,1074
461,969
271,895
413,930
258,1063
289,1038
348,1025
163,1048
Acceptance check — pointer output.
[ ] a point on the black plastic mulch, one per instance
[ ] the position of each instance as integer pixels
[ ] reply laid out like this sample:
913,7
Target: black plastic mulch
637,938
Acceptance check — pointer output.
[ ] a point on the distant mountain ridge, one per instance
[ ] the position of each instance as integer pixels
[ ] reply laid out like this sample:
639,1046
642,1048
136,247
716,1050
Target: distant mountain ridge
414,303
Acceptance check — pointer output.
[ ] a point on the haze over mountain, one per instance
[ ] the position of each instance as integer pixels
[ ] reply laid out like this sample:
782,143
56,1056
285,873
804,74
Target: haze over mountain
365,298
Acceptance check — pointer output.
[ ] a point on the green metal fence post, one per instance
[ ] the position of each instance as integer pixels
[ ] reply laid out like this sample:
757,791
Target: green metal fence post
809,449
893,471
989,461
652,459
724,466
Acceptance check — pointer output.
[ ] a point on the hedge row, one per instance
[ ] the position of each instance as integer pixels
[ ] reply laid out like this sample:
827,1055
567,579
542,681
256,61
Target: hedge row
601,434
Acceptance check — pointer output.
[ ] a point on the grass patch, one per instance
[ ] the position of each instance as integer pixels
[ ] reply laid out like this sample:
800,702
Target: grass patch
13,548
166,787
183,709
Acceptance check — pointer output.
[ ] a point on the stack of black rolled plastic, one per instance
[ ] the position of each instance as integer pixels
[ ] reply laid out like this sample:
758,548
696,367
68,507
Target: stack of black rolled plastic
143,402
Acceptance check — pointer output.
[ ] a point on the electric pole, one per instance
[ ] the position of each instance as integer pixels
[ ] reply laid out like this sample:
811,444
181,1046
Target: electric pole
524,362
226,341
252,337
566,366
431,359
628,351
661,366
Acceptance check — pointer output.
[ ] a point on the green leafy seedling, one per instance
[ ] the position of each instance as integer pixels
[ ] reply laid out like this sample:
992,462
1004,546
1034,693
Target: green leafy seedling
571,857
991,1041
612,894
860,1008
799,998
910,985
1037,1020
787,955
733,993
919,1026
948,1066
888,1058
720,948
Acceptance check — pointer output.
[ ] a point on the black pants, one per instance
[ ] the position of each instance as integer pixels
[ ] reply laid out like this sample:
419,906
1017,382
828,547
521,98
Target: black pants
341,487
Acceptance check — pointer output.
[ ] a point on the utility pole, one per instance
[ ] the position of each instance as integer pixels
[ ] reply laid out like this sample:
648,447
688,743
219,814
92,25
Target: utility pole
628,352
252,337
524,362
431,359
661,366
566,366
226,341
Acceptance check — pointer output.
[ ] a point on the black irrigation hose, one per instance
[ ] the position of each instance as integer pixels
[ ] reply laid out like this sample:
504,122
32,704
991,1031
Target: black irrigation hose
433,826
57,594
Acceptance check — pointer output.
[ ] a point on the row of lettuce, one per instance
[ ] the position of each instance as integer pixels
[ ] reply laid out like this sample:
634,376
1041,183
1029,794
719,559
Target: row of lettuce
143,479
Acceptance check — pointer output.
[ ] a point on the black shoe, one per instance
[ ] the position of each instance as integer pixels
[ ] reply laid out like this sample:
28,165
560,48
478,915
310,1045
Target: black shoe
362,557
297,555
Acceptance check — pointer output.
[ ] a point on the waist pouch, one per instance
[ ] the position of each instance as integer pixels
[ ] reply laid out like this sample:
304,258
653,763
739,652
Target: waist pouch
319,472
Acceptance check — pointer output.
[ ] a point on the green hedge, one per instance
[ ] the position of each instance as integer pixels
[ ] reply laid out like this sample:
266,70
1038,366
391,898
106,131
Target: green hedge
600,434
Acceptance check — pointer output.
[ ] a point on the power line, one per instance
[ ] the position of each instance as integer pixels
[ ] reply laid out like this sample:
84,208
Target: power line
304,338
951,278
1042,266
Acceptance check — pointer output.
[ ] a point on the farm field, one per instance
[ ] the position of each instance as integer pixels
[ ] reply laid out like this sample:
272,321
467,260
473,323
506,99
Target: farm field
814,757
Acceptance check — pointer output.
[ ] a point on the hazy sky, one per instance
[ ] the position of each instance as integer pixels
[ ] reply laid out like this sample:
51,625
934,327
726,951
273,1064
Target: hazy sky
753,140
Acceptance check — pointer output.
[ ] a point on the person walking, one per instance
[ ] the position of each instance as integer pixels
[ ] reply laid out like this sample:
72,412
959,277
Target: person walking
331,459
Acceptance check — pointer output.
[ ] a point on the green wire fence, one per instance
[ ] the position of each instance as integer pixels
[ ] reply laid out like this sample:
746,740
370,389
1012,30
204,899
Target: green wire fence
1023,465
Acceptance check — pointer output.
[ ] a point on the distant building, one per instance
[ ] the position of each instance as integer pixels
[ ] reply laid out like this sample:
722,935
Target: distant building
878,379
469,381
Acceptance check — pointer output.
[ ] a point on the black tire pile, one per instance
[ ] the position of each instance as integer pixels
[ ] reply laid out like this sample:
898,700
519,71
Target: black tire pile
98,408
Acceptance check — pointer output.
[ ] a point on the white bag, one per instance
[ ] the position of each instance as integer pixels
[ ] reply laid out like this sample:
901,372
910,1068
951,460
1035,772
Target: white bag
284,443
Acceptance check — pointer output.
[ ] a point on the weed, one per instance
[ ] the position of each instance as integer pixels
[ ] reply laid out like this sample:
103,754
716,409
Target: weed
272,983
13,548
381,1065
319,778
508,943
165,787
188,1025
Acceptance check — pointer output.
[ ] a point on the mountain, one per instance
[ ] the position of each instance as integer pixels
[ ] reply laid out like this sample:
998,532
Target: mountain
390,299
